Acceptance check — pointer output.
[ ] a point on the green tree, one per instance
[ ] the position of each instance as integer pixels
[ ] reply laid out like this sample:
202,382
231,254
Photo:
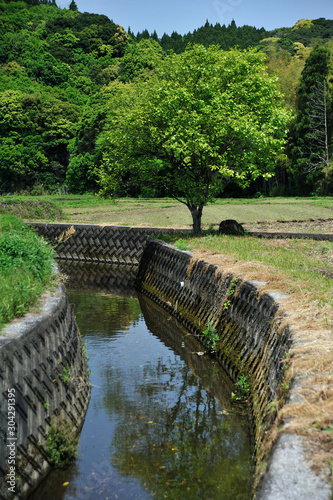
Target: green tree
85,148
139,59
34,135
73,6
311,132
204,117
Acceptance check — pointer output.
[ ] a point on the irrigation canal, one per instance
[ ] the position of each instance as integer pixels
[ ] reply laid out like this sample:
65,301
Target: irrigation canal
161,422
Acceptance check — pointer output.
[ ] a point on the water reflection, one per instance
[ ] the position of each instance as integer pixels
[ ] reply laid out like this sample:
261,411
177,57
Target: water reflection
160,423
175,432
99,278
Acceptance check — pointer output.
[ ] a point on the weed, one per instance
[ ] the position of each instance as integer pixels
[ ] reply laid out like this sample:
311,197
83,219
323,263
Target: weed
65,235
180,244
230,292
242,384
64,377
61,443
167,238
85,352
26,263
226,305
232,287
285,364
242,389
211,338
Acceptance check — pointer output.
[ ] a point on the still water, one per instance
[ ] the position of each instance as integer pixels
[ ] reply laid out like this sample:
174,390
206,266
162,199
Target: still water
160,423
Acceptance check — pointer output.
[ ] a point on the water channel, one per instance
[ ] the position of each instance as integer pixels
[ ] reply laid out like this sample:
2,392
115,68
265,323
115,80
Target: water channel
161,422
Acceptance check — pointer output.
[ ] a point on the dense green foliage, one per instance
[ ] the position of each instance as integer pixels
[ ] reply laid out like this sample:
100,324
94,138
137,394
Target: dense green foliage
61,71
306,32
53,62
25,267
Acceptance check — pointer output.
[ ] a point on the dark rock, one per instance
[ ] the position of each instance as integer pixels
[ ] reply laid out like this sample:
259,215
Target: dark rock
231,226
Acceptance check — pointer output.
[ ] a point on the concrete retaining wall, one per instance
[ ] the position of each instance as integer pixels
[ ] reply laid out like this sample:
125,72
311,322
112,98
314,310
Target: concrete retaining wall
251,340
94,243
36,355
254,339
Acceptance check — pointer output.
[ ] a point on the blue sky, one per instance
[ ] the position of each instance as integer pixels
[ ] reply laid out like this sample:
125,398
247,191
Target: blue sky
183,16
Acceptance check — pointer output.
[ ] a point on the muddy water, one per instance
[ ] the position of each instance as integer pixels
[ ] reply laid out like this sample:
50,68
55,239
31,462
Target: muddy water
161,421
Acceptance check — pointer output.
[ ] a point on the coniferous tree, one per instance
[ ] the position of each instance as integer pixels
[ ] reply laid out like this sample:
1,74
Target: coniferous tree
73,6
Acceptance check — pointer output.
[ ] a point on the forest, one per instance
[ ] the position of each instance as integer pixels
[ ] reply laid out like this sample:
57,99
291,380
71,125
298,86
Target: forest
69,82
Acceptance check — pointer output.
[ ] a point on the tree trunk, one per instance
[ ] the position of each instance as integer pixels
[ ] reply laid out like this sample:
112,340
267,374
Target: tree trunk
196,213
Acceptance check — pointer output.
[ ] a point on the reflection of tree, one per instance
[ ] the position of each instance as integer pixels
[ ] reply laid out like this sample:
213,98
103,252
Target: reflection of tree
171,433
97,313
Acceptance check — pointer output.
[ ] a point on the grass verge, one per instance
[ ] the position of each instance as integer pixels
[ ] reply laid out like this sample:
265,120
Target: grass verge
293,265
31,209
26,267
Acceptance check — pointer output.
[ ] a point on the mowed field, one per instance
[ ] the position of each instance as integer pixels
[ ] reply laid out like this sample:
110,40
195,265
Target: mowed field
303,214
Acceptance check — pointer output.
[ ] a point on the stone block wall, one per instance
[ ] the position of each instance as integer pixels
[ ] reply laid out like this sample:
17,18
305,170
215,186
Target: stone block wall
94,243
252,338
37,354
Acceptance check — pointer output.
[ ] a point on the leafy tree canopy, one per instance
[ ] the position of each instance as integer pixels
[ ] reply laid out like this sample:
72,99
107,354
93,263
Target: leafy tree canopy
204,117
139,58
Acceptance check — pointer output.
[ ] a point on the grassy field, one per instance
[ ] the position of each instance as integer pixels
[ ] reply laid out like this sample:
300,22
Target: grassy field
297,264
167,212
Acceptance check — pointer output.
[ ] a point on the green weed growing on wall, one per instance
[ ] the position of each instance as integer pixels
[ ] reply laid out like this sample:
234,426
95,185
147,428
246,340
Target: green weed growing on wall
242,389
211,338
61,442
65,375
231,290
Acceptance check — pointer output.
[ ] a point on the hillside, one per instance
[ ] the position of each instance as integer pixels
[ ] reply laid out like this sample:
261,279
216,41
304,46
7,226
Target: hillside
59,66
